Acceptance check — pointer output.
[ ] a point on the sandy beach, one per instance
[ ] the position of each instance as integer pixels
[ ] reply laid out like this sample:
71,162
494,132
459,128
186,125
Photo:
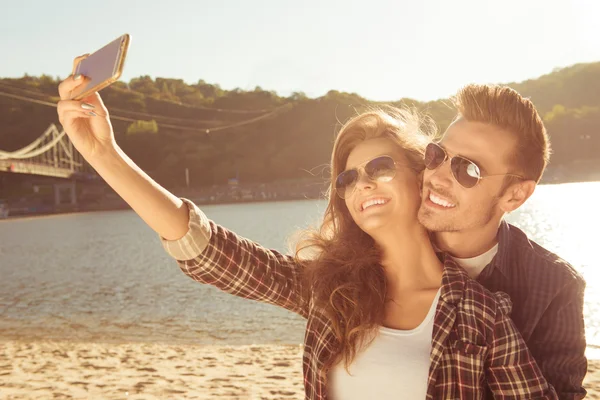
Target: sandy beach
46,370
54,369
592,380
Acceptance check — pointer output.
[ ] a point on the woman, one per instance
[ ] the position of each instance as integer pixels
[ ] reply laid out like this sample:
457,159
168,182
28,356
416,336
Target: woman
386,316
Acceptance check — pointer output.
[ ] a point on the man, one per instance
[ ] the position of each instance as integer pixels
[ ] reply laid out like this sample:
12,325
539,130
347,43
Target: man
487,164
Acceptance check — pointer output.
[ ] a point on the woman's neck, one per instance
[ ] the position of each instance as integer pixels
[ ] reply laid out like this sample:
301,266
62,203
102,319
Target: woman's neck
409,259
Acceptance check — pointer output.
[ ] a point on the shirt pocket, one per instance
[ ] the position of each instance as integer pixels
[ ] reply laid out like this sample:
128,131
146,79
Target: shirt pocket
465,344
468,349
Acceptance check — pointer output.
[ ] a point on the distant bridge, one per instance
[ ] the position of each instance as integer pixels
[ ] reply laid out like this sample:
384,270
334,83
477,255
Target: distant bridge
51,154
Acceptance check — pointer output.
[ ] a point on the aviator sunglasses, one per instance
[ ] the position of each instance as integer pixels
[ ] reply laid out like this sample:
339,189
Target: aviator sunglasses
379,169
465,171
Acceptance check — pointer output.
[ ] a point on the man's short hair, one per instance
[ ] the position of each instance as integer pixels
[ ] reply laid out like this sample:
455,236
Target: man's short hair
505,108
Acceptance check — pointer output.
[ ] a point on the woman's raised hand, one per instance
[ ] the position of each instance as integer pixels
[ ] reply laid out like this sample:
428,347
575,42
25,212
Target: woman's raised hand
86,122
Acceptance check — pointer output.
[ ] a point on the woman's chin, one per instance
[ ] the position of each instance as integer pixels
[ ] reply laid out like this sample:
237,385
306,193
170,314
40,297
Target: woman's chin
372,225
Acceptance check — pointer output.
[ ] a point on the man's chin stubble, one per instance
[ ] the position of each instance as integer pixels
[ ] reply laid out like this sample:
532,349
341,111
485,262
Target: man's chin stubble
428,220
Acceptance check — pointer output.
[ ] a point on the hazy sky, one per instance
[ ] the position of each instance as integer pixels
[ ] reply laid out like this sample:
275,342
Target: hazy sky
382,50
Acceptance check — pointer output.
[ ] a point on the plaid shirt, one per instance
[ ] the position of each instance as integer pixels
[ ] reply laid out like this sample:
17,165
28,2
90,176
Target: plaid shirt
475,345
547,294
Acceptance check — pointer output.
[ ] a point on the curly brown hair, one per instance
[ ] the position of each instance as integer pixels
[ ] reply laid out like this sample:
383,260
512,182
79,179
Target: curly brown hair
342,263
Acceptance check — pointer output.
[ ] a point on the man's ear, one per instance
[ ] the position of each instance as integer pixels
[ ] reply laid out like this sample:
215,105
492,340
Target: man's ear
516,194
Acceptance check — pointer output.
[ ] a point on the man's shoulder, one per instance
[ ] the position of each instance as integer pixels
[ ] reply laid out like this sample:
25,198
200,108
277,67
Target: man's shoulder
524,252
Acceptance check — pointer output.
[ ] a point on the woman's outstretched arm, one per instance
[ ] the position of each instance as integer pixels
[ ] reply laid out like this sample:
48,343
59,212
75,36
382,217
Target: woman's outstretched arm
87,124
205,251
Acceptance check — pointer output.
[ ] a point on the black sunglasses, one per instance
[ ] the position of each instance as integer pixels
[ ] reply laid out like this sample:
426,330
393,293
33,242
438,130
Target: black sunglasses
379,169
465,171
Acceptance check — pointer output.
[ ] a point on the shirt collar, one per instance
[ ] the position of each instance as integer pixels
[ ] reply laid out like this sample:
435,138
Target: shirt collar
501,260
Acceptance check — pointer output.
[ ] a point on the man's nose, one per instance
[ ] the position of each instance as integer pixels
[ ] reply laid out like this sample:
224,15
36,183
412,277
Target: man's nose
441,176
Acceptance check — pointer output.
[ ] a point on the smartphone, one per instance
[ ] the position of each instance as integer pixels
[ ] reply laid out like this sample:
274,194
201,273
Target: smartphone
103,67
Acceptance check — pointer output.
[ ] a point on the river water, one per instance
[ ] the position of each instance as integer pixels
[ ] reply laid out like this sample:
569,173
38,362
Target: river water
104,275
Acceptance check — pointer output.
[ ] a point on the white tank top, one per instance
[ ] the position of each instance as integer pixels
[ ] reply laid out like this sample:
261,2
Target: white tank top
394,366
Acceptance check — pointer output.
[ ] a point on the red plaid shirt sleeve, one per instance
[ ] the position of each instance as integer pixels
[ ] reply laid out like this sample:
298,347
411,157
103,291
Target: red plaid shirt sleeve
511,371
211,254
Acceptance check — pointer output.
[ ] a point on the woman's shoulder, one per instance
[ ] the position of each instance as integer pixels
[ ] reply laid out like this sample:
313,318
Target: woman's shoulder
479,310
487,301
475,298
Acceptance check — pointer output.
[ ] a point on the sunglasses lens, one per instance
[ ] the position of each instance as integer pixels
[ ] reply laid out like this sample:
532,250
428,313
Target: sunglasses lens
466,172
381,169
434,156
344,184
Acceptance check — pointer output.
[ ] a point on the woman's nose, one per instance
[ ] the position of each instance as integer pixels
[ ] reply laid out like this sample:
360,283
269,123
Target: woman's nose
364,182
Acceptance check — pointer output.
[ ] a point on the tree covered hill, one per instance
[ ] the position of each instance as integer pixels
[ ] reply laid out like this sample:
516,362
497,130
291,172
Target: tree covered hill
166,125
